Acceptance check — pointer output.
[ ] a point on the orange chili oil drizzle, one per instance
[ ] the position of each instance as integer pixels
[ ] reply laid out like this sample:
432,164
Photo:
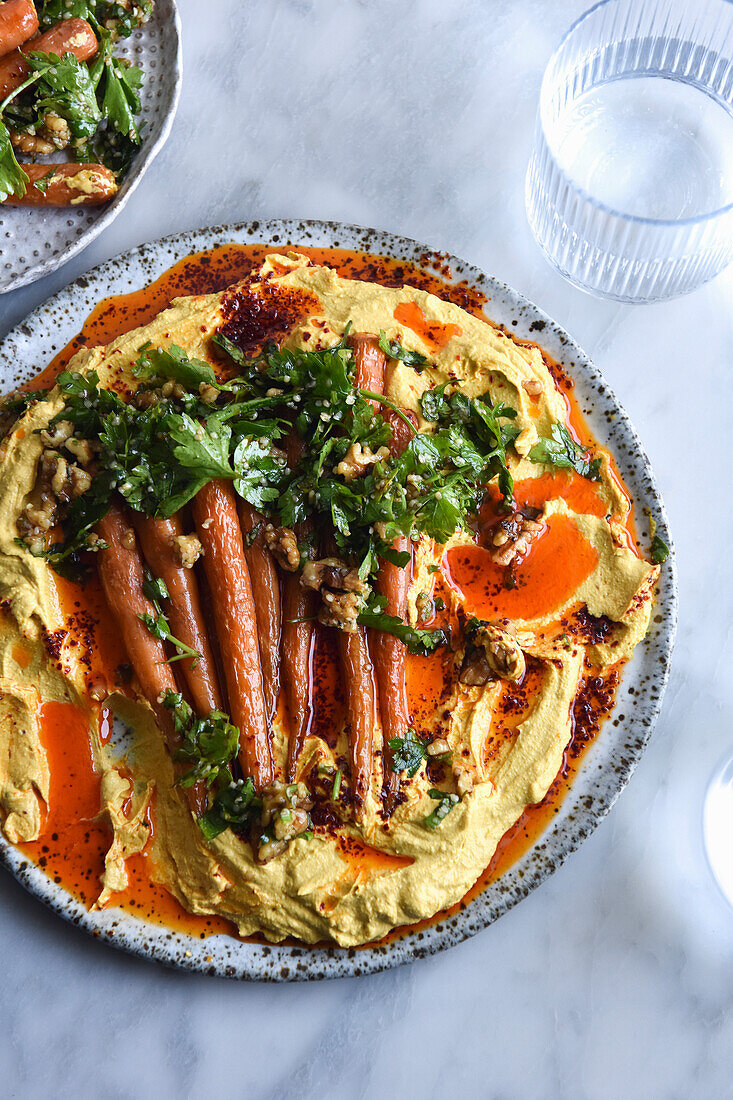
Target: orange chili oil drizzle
73,842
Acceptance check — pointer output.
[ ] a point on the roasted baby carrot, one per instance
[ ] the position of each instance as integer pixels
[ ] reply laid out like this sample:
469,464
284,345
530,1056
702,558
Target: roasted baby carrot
157,538
370,362
298,634
357,669
122,575
18,22
266,593
297,644
389,652
392,581
70,36
217,526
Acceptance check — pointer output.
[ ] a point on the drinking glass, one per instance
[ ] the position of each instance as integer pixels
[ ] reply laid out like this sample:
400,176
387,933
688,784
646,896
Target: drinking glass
629,189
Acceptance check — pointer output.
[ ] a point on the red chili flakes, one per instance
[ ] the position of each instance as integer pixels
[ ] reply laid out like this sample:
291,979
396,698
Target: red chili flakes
264,311
593,703
588,628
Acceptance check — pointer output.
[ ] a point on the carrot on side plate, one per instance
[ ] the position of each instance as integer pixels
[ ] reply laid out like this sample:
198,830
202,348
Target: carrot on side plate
68,184
218,528
69,36
18,23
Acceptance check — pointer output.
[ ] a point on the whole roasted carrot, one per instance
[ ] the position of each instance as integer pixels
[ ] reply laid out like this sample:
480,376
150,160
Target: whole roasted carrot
266,593
392,581
357,671
18,21
70,36
157,538
122,575
217,526
298,633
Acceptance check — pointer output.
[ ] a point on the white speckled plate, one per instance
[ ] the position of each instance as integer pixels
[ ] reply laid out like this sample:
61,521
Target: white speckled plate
34,241
607,765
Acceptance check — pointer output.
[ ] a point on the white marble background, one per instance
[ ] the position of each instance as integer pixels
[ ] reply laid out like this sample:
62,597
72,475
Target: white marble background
615,978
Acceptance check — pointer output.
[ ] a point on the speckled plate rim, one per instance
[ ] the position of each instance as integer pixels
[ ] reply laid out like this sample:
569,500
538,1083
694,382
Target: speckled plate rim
608,764
148,152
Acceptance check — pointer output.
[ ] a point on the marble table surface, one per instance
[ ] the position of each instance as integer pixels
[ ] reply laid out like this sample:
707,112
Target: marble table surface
615,978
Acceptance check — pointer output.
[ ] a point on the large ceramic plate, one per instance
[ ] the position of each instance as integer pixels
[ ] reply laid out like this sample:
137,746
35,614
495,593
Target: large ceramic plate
34,241
610,760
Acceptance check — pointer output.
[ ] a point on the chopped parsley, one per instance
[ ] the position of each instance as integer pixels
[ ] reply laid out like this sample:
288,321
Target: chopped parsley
158,457
408,753
659,551
562,451
207,744
156,590
446,802
236,805
394,350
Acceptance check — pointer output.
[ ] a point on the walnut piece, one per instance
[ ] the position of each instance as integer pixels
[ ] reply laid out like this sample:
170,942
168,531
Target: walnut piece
343,593
283,545
187,549
358,460
512,536
491,653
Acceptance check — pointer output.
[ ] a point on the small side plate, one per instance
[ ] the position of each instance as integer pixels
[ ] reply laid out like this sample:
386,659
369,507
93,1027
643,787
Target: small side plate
34,241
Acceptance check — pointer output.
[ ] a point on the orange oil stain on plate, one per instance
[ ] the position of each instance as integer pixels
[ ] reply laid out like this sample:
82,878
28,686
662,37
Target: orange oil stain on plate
435,334
560,559
73,843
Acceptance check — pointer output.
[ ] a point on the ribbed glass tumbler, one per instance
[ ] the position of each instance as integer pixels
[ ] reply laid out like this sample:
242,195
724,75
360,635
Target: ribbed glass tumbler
629,189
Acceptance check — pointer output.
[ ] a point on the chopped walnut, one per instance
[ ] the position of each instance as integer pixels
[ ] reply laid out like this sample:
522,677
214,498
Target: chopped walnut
464,780
343,592
438,747
26,142
285,813
67,481
283,545
340,609
145,399
525,441
208,394
331,573
187,549
172,389
491,653
512,536
56,130
81,449
358,460
56,434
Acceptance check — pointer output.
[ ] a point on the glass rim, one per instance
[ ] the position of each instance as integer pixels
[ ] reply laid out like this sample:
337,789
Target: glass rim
673,223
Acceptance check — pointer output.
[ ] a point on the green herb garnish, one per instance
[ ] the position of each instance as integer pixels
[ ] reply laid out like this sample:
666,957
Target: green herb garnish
394,349
408,753
659,551
446,802
207,744
562,451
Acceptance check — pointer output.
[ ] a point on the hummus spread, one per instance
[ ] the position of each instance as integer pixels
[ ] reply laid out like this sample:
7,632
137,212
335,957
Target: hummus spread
501,735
